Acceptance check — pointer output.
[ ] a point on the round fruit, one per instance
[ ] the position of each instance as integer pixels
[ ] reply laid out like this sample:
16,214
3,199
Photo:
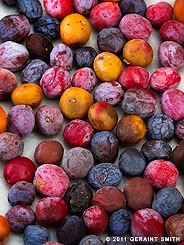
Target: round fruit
4,229
3,120
75,102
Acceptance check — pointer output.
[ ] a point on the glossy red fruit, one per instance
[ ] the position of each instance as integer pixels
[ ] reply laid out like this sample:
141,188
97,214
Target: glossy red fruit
19,169
96,220
105,15
165,78
51,211
161,174
159,13
134,77
78,133
147,223
58,8
172,102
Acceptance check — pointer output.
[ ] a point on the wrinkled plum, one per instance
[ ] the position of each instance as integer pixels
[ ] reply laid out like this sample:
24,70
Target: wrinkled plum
19,217
156,149
32,9
20,193
104,146
160,127
14,28
34,71
84,57
78,198
47,26
111,40
104,174
132,162
140,102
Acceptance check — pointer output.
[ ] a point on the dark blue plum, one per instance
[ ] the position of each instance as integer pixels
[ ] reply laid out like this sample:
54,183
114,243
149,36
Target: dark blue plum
132,162
104,146
119,223
36,235
22,192
160,127
47,26
84,57
168,201
104,174
156,149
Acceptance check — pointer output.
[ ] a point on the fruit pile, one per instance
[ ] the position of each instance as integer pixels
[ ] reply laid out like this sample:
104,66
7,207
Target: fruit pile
78,189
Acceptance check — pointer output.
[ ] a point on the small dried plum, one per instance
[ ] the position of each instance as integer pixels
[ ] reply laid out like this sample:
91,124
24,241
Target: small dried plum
71,230
11,146
119,223
84,57
140,102
20,193
32,9
104,174
111,40
14,28
47,26
13,56
104,146
160,127
133,6
132,162
156,149
34,71
19,217
78,198
39,46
